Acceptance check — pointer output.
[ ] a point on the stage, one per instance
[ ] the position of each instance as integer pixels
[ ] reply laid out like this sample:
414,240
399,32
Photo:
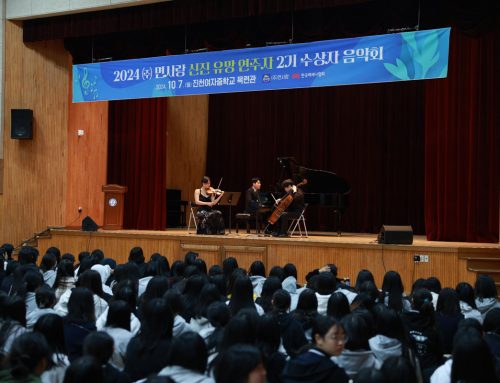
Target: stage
451,262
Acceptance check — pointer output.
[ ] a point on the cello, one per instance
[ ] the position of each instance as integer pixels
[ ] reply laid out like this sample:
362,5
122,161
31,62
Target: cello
283,205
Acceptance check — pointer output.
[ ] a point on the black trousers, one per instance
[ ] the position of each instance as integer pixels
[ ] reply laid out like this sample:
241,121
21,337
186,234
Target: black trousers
284,220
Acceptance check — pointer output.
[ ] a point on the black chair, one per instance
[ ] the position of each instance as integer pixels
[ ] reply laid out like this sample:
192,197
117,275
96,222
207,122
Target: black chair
246,218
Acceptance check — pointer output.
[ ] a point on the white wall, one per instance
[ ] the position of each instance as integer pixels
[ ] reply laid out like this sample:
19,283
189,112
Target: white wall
32,9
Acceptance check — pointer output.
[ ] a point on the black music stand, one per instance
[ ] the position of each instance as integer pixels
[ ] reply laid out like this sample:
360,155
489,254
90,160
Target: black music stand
230,199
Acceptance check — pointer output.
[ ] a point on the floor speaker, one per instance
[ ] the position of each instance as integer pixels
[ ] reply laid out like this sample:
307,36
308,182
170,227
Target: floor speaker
88,224
399,235
21,127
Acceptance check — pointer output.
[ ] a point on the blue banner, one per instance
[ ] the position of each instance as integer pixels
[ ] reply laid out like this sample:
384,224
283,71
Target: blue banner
384,58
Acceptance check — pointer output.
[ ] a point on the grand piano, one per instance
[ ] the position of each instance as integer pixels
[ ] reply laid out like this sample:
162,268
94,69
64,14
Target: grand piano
323,188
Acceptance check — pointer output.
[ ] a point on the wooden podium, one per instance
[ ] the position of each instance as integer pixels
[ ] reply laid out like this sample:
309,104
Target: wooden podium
114,198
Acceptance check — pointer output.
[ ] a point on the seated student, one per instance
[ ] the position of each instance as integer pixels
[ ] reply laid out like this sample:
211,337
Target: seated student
271,285
118,327
12,322
467,303
315,365
398,369
187,360
147,351
268,341
48,266
338,306
209,294
486,294
45,300
84,370
32,281
242,296
257,274
218,315
176,304
51,326
240,363
393,292
357,353
100,346
27,360
306,311
491,327
448,315
65,278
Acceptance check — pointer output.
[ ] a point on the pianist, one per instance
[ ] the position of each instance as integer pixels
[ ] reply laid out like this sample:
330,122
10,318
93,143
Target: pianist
252,197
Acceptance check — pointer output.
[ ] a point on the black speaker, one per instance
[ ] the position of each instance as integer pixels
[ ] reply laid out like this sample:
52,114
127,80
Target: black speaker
88,224
400,235
21,124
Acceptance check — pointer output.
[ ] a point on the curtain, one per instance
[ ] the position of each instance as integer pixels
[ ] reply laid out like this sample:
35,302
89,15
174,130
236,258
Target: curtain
137,159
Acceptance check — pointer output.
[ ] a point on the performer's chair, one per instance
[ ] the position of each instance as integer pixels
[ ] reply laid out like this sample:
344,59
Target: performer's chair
246,218
299,224
193,208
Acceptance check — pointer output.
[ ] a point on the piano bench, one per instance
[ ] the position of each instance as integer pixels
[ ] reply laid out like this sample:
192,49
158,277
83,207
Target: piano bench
244,217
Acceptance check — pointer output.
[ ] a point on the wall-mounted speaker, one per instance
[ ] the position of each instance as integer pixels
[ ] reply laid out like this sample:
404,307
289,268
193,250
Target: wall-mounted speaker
21,127
88,224
399,235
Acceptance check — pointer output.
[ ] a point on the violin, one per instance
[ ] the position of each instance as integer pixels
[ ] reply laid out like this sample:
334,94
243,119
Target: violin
215,192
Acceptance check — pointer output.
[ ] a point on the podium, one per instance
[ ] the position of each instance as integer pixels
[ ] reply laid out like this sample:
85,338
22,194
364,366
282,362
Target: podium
114,198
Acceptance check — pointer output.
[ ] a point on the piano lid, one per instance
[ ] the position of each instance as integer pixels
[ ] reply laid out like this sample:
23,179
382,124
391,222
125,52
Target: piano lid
318,181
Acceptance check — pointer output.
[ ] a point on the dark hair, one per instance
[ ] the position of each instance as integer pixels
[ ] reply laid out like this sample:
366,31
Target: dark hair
220,282
13,309
255,179
7,248
322,324
55,251
357,331
83,255
364,276
422,301
205,180
45,297
156,288
81,306
215,270
268,335
119,315
236,273
228,266
466,294
281,301
448,302
308,301
136,255
190,258
257,268
218,316
492,321
277,271
369,288
242,328
126,291
236,363
191,296
208,294
286,183
68,257
242,295
325,283
290,270
126,271
485,287
64,269
473,360
270,286
100,345
420,283
392,288
49,262
86,265
201,265
174,301
188,350
178,268
27,255
156,324
91,279
398,369
33,279
338,306
97,255
51,326
27,351
388,323
83,370
433,284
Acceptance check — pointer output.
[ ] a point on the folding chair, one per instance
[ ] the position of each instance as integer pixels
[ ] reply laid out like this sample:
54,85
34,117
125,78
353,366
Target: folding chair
299,223
193,207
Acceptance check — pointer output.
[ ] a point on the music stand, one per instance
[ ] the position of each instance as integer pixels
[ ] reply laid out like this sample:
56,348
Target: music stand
230,199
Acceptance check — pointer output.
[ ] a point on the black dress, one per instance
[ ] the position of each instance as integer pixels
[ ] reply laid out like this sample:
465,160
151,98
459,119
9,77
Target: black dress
210,220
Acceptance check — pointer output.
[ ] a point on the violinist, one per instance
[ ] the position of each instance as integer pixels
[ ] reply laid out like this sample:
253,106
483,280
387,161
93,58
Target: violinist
293,211
210,220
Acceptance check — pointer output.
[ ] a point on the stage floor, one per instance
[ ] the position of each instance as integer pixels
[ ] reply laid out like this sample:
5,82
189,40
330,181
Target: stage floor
351,252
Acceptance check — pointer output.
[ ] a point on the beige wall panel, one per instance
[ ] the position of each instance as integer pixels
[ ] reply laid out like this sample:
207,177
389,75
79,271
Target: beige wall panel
87,159
187,134
36,77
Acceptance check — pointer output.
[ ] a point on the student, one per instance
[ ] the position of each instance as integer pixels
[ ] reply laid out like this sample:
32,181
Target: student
467,303
45,300
397,369
32,281
448,315
271,285
257,274
486,294
423,336
176,305
48,267
27,359
363,276
240,363
65,278
242,296
51,326
393,292
325,285
147,351
491,327
268,341
136,256
306,311
100,346
12,322
315,365
209,294
79,322
337,306
84,370
218,315
187,360
118,327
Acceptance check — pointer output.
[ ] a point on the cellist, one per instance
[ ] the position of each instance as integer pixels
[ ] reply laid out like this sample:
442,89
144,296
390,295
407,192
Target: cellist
293,211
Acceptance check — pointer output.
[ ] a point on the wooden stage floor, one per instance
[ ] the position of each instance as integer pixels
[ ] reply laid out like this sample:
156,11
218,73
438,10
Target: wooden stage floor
351,252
